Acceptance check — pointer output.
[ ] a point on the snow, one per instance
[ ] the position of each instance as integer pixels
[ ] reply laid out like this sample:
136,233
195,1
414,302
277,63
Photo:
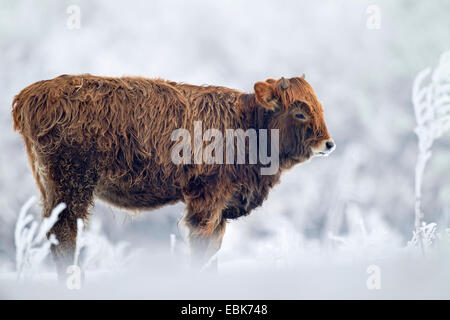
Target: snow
327,223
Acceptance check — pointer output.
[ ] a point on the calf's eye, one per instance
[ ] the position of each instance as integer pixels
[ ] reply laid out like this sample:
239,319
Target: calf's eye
300,116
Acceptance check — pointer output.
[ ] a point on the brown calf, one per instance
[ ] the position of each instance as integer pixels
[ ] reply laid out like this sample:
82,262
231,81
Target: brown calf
88,136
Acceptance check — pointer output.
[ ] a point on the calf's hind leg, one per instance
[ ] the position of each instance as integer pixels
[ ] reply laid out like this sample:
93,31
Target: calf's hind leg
72,181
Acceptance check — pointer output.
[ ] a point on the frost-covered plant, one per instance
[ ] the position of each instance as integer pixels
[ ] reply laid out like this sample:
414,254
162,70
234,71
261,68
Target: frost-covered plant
32,245
425,235
432,110
79,242
97,251
431,237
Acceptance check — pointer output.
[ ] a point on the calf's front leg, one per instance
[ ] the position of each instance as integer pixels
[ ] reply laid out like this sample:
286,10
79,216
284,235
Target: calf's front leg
206,224
204,245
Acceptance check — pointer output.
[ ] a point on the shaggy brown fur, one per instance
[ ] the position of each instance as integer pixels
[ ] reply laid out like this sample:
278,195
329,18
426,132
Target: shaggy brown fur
90,136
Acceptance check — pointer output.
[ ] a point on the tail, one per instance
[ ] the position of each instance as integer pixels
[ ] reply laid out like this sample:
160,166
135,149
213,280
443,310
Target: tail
17,112
25,105
35,110
23,112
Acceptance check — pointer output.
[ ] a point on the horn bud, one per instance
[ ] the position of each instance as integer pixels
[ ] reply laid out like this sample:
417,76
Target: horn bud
284,83
303,76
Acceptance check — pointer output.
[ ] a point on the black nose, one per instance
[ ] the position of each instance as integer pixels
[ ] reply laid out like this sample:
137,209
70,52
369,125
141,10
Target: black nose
329,144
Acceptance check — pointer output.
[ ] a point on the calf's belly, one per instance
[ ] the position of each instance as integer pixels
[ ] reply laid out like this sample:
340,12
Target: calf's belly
142,198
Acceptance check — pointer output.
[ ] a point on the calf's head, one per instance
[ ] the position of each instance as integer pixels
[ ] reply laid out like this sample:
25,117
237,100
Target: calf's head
294,110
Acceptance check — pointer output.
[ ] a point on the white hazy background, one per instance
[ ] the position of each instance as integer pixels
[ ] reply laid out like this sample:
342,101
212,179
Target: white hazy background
326,222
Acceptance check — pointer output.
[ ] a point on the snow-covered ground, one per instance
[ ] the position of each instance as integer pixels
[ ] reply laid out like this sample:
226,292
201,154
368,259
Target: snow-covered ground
308,273
282,265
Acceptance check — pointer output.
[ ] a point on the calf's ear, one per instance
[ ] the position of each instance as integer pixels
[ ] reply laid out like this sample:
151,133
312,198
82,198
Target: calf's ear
265,95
